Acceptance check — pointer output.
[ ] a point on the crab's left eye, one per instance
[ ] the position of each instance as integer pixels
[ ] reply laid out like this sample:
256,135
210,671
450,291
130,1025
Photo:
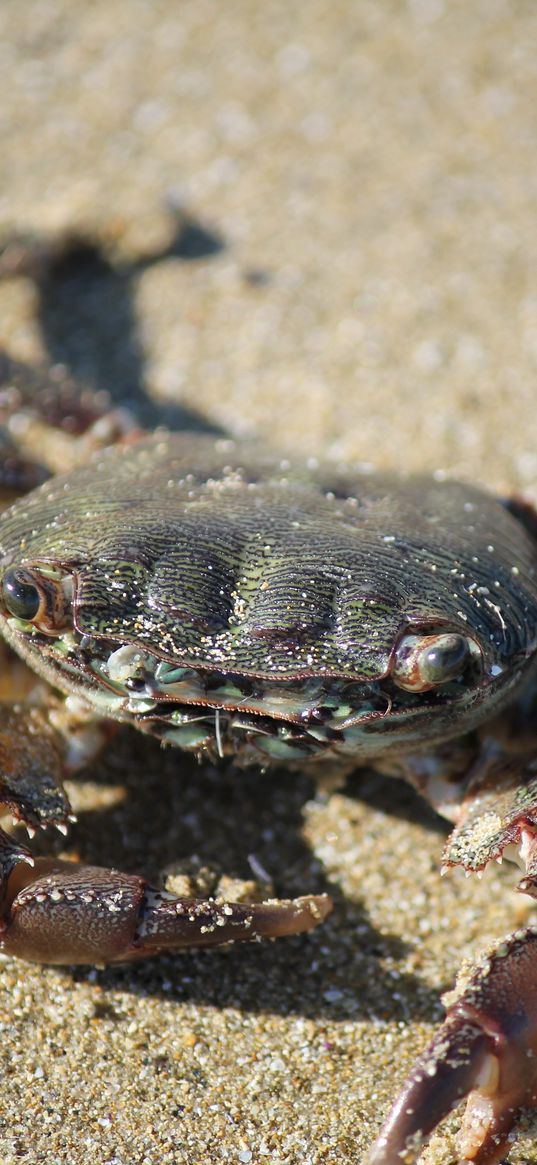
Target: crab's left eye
35,598
426,661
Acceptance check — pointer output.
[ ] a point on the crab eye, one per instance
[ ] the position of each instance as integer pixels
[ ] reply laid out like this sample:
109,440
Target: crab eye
426,661
20,594
41,599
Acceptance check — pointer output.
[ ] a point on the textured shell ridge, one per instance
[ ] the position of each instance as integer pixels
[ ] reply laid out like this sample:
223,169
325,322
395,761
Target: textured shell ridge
230,559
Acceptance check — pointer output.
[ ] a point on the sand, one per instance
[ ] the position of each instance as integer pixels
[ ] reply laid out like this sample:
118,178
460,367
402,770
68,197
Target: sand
350,270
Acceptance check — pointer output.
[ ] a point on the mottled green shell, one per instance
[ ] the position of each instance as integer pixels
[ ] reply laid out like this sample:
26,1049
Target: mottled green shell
300,580
218,556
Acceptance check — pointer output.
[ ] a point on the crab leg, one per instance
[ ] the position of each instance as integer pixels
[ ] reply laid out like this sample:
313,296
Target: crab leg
48,424
486,1050
32,764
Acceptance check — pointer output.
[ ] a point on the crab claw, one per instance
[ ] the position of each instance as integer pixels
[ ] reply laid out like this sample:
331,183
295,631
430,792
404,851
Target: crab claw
64,912
486,1050
54,911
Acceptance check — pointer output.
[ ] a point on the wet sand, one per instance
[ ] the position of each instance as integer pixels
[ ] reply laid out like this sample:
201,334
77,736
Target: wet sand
351,270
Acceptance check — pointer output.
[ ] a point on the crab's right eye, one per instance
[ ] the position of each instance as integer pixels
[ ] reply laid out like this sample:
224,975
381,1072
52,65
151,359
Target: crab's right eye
424,661
20,594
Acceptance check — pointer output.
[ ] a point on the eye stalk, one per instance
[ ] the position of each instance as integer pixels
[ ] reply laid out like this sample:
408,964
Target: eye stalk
423,662
39,598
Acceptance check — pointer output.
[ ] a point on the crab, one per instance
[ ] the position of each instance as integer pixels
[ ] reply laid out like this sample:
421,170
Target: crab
238,606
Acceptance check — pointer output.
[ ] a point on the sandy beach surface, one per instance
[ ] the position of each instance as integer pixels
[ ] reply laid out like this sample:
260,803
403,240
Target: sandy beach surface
315,223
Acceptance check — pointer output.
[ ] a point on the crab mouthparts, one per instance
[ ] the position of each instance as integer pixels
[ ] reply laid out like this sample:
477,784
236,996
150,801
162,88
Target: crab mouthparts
221,713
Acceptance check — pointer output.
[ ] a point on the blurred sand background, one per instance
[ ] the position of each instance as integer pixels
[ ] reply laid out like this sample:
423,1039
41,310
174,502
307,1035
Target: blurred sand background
354,273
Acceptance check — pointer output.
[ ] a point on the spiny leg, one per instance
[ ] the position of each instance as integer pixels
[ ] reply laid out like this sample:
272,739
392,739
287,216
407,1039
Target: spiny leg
486,1050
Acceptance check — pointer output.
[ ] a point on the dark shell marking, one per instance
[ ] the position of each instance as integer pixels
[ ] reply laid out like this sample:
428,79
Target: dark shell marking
263,603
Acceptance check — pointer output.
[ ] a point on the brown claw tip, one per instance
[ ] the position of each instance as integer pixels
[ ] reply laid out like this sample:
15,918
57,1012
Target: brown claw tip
279,917
170,923
441,1077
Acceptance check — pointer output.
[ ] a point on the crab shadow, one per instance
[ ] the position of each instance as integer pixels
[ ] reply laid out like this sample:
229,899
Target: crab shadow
161,808
86,309
405,803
